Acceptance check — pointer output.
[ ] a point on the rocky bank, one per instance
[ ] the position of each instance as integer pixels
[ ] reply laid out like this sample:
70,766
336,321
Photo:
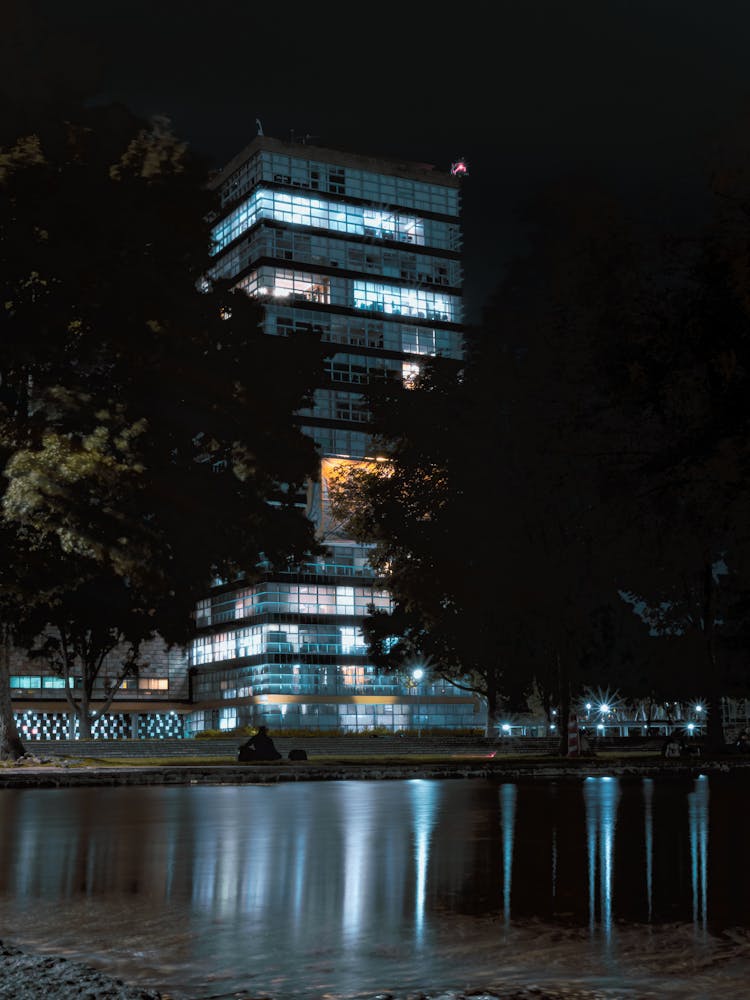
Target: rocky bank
25,976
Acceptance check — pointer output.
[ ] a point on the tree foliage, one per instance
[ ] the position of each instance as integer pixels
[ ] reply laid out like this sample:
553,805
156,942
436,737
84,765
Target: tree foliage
485,519
571,509
147,422
420,510
677,471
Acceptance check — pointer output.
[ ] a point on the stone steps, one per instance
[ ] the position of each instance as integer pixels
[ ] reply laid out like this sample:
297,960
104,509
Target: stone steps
228,746
343,746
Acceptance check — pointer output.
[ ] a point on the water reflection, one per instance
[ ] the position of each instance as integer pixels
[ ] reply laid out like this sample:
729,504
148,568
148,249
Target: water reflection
424,803
601,796
648,834
361,882
508,795
698,819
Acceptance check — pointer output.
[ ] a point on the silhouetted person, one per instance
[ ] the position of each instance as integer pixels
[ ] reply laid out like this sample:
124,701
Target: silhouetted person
259,747
672,747
742,743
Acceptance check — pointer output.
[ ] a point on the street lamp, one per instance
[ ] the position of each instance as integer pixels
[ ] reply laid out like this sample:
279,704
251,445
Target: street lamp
417,674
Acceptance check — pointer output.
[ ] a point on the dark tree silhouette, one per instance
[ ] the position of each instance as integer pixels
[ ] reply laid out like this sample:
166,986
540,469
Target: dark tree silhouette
147,423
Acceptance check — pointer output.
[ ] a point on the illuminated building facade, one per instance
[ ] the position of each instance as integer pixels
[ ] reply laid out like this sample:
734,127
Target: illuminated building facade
155,703
366,253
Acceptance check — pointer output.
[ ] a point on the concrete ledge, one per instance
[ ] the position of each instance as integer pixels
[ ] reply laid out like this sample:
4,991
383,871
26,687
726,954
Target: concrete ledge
243,774
347,746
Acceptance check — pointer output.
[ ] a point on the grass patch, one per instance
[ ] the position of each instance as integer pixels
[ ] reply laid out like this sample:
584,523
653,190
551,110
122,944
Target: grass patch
374,760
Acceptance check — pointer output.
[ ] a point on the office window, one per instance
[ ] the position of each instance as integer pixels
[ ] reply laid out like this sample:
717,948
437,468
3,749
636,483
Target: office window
153,684
304,210
55,682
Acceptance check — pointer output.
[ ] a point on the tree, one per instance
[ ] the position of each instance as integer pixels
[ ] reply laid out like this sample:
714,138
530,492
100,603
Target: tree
15,598
147,421
684,490
677,470
419,509
79,626
607,386
485,519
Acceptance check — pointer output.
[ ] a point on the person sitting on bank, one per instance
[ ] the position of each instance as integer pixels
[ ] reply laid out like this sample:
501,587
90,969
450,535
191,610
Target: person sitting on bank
259,747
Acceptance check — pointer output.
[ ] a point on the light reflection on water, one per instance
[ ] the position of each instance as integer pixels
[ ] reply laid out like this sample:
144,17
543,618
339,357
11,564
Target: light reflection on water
601,796
348,888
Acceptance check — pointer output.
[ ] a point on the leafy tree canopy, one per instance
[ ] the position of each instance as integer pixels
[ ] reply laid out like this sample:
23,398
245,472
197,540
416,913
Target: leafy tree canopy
146,417
147,424
592,446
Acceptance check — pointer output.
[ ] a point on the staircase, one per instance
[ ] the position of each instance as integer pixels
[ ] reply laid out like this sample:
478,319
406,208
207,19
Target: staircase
225,747
337,746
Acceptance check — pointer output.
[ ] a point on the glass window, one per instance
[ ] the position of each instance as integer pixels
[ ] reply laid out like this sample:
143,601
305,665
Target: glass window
304,210
55,682
153,684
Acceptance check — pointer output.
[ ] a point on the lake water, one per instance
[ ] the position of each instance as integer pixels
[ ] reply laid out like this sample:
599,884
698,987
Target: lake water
633,887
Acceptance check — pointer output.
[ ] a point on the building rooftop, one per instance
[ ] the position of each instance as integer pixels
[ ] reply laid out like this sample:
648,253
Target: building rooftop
326,154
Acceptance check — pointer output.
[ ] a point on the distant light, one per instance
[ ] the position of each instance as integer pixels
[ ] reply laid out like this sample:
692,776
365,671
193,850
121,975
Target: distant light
553,726
554,711
604,708
506,727
417,674
588,706
600,726
699,708
459,168
691,726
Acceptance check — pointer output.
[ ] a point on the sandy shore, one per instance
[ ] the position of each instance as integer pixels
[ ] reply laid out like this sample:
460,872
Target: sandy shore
24,976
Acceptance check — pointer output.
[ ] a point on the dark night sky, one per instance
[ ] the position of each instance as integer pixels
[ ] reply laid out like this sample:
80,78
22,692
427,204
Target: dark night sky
631,95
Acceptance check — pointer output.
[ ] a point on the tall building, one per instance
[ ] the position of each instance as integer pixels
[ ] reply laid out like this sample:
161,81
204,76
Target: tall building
366,253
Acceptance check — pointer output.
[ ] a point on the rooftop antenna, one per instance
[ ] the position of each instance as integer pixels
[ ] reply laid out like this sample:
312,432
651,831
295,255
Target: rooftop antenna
258,126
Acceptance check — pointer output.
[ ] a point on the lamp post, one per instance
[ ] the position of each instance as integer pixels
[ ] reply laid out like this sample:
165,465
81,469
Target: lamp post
417,675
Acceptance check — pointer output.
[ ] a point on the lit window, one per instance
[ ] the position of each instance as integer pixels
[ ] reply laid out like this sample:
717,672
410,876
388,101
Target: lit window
409,373
153,684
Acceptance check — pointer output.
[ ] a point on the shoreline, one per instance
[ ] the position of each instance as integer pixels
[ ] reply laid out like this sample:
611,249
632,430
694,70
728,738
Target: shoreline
29,975
37,773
